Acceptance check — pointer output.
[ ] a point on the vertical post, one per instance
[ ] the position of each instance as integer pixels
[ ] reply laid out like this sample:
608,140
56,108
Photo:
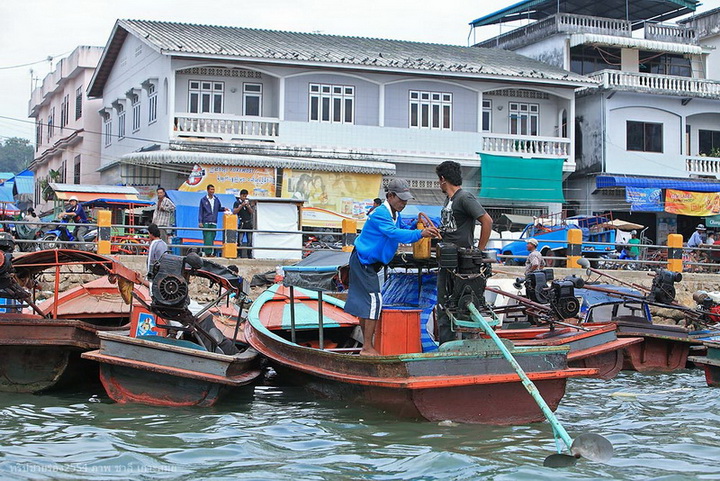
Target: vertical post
674,245
321,333
349,233
574,248
230,248
104,219
292,315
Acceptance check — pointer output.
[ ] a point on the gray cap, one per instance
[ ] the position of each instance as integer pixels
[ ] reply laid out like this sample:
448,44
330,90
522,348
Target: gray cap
532,241
400,188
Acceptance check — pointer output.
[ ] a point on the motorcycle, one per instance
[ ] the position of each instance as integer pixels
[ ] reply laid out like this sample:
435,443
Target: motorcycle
60,237
28,232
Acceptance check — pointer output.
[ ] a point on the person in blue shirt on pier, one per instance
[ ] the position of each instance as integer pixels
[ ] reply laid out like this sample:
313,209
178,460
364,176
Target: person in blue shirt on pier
374,249
210,208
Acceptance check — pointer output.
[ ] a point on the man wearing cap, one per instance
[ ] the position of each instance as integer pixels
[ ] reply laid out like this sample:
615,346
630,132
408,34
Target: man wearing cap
458,216
535,260
698,237
77,215
374,249
244,211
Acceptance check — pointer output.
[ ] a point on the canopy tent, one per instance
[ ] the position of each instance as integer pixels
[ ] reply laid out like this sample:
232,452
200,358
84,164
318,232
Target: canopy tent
187,205
121,203
85,192
693,185
623,225
518,178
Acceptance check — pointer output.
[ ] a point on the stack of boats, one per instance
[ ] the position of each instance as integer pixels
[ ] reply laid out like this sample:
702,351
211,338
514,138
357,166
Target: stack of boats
150,344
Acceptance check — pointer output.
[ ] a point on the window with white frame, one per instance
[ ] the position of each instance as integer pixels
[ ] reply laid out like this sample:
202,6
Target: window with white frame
252,99
486,115
135,100
132,174
206,97
78,103
430,110
121,121
152,103
332,103
64,111
107,128
524,118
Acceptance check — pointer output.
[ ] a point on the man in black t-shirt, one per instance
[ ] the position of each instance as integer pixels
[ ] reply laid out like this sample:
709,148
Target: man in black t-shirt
245,212
457,226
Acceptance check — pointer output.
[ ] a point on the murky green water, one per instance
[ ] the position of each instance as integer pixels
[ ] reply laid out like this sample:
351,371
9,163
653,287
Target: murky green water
664,426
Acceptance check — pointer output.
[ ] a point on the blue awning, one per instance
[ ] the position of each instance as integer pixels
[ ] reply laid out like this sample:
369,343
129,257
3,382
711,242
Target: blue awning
611,181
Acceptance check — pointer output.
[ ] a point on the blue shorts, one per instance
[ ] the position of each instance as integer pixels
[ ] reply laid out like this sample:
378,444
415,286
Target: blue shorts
364,299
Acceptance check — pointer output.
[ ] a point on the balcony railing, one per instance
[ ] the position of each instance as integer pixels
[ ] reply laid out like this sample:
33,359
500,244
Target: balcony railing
703,165
670,33
654,83
559,23
226,127
526,145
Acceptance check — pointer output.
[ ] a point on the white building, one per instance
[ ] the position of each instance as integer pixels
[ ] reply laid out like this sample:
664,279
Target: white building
67,128
654,119
176,95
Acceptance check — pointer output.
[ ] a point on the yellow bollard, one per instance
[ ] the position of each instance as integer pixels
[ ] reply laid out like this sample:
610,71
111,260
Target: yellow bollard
674,244
230,248
349,233
574,248
104,220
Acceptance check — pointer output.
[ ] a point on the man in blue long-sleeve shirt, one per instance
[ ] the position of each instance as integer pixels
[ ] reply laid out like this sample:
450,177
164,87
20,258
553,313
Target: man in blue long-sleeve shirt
374,248
210,207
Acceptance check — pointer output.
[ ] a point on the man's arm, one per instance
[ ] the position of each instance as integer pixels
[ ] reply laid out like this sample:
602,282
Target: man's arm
485,230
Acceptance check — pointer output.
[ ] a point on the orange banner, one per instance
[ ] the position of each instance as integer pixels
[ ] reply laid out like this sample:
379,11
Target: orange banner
228,179
698,204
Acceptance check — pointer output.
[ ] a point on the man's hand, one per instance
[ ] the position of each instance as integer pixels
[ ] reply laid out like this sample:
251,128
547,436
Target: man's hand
431,232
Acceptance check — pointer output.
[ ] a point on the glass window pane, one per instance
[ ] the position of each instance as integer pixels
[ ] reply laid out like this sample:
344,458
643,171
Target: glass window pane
348,111
337,110
217,105
314,102
252,105
436,116
533,125
446,116
486,121
413,115
635,136
326,109
425,109
206,85
193,103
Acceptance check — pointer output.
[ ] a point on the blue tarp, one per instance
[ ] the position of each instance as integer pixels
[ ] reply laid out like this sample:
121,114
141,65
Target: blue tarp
187,205
610,181
24,183
401,291
409,214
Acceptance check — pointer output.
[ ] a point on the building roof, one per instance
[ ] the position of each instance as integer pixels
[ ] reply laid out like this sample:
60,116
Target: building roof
294,48
636,10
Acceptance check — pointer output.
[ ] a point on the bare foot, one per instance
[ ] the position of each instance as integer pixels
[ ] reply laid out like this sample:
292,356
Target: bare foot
369,351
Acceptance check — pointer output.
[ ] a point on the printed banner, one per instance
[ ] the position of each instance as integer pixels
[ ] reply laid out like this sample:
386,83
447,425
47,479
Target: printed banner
698,204
228,179
343,193
643,199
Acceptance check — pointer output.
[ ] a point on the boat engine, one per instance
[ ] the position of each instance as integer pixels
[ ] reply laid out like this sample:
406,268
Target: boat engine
663,286
170,289
560,295
469,270
708,305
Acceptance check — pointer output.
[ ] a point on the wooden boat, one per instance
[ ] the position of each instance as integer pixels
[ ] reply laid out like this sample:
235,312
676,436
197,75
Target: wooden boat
158,368
597,347
163,371
710,363
465,381
41,349
665,348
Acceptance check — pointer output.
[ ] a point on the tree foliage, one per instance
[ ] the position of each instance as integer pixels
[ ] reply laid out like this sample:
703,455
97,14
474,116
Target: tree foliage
15,154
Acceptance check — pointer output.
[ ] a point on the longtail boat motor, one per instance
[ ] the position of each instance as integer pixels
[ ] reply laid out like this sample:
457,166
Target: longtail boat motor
560,294
468,270
663,286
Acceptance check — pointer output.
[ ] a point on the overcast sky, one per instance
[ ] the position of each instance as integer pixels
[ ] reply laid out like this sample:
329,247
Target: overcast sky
32,30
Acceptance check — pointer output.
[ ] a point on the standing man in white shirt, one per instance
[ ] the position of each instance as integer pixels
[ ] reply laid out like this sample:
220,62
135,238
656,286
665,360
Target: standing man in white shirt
163,216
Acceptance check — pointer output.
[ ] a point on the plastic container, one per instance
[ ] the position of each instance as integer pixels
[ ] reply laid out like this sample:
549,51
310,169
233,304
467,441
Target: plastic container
421,248
398,332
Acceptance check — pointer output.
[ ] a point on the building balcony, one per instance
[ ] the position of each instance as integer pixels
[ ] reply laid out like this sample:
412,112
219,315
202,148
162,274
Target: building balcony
326,140
670,33
227,128
559,23
656,84
702,165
